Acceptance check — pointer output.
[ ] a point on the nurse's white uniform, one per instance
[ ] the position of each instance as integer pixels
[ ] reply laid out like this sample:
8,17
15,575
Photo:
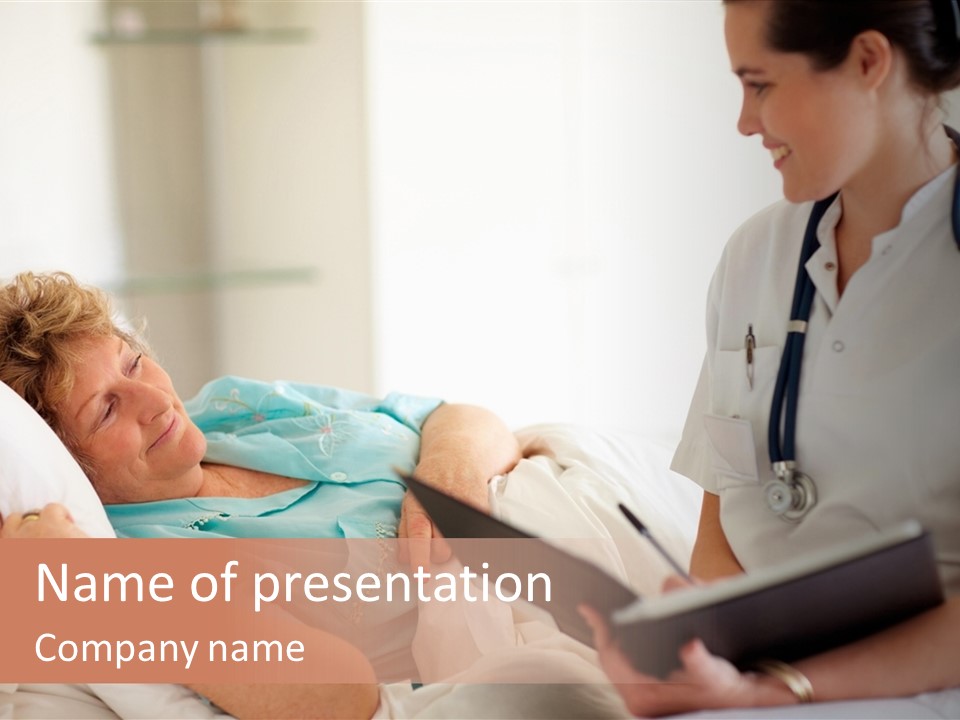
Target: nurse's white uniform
878,423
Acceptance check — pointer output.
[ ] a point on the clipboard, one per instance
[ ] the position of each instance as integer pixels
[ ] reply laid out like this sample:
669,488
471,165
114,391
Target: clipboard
815,602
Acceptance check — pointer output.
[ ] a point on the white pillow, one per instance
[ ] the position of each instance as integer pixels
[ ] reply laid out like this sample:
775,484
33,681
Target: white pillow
36,469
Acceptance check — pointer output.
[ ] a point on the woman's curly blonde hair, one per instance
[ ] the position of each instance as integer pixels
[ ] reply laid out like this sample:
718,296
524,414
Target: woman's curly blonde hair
44,319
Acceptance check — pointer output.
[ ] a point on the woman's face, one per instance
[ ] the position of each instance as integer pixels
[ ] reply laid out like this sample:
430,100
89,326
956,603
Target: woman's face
125,416
816,124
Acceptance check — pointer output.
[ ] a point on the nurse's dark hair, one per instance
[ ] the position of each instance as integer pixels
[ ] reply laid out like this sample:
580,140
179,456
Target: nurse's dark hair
927,32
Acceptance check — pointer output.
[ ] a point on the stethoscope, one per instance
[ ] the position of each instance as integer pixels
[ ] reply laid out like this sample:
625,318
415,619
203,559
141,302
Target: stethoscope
793,493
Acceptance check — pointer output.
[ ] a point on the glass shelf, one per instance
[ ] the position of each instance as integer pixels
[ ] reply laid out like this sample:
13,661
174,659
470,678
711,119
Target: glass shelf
265,36
202,281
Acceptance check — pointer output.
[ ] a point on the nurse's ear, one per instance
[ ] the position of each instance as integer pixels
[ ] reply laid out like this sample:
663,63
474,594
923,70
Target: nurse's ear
871,58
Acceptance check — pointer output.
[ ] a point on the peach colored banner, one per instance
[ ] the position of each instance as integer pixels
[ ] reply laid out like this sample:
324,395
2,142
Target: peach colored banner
274,611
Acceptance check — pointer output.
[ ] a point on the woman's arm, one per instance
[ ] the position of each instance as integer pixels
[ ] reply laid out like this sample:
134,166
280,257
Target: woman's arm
293,701
357,699
712,556
461,448
351,690
918,655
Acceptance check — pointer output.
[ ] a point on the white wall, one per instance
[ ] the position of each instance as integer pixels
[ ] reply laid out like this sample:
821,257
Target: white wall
552,184
57,209
286,144
549,186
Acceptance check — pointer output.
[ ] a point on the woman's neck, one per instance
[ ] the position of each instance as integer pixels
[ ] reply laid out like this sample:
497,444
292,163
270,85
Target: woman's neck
231,481
873,201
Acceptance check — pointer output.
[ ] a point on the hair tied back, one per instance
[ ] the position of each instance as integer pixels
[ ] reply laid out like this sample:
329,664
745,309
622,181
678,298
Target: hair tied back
947,14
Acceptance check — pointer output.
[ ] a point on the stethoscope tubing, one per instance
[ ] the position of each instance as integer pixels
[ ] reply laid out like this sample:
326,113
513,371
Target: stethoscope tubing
787,386
786,392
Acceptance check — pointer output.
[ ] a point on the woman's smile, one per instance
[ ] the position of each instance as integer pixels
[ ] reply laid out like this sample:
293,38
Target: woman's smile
167,434
131,425
780,154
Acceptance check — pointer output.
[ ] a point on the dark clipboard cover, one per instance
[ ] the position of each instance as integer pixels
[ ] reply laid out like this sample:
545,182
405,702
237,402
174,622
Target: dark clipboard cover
815,602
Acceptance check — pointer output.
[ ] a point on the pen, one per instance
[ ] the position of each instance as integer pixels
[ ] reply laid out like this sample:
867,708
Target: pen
642,529
750,344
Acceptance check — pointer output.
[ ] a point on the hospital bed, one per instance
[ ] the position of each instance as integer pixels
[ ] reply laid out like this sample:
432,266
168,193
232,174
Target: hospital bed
568,486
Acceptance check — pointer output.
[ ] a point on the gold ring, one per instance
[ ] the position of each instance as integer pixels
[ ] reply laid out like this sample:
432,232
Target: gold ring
31,516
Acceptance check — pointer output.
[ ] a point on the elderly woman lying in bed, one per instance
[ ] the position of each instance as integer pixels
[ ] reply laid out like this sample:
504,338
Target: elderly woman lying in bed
244,458
253,459
325,457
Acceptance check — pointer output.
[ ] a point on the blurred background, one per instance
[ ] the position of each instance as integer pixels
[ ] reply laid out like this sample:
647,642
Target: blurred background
515,204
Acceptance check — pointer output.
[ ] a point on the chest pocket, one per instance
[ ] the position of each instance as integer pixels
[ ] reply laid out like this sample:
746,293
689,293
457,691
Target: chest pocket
736,425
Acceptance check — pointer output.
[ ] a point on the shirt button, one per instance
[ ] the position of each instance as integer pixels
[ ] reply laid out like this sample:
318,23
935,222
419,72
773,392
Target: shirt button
338,476
885,251
830,265
838,346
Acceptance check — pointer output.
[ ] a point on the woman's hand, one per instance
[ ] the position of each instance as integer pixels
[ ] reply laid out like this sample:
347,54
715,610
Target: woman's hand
703,682
462,447
54,521
421,542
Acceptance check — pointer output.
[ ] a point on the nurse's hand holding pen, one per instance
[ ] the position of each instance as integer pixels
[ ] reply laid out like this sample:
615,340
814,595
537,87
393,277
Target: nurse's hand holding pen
704,681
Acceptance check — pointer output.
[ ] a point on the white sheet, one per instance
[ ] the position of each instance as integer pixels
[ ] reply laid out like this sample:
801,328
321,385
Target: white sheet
104,702
571,488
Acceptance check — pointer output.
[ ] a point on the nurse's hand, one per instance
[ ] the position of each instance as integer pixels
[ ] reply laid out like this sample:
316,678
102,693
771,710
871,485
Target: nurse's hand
704,682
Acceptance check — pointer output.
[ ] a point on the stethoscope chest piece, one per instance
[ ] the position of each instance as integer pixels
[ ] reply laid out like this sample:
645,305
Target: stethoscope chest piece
792,496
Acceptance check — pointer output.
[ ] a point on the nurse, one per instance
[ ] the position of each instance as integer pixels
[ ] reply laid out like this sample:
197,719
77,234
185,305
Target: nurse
846,96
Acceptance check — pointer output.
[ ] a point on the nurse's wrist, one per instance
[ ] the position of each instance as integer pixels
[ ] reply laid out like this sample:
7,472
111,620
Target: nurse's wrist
777,683
767,691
